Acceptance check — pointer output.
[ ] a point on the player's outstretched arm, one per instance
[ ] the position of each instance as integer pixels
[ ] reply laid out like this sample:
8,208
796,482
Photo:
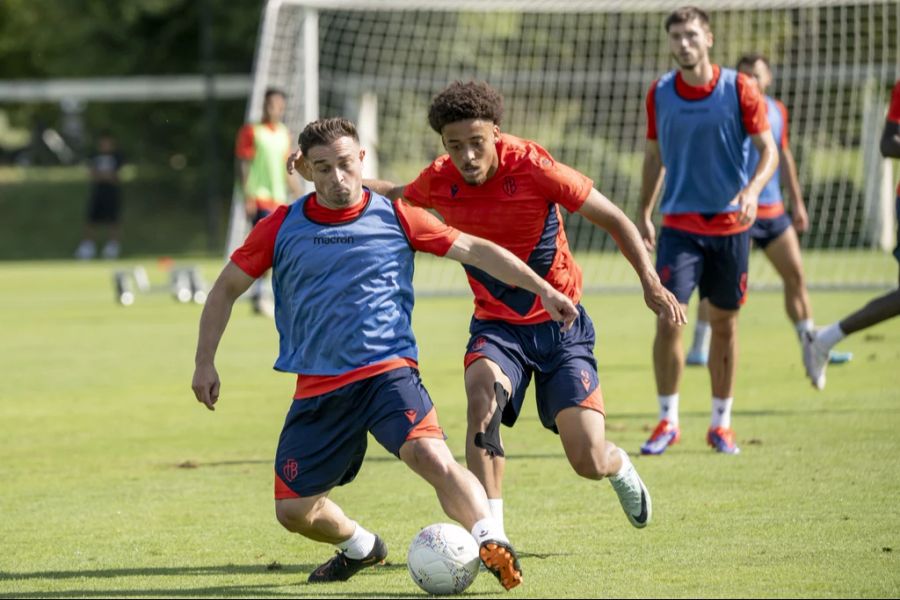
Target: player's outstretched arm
747,199
890,140
652,174
505,266
791,181
232,282
599,210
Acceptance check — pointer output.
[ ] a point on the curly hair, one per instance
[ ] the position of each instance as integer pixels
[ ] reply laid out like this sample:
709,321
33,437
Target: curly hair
462,101
325,131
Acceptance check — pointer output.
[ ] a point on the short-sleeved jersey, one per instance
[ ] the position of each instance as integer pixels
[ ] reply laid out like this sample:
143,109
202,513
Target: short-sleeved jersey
343,285
894,114
518,209
703,132
265,146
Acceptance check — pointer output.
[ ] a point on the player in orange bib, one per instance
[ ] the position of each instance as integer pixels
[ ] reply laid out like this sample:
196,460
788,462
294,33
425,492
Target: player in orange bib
510,190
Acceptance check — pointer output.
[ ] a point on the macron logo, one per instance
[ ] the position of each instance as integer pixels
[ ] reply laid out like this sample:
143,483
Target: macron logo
333,239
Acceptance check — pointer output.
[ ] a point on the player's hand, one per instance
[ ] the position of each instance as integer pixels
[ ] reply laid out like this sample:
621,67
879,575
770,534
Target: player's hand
747,203
664,303
800,218
296,162
648,232
206,385
559,306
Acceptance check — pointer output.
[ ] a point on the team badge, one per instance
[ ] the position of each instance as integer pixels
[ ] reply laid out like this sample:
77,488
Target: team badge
509,185
586,380
290,469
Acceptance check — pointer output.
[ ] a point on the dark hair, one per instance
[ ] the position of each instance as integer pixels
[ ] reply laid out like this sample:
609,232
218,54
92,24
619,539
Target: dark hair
274,92
686,14
750,59
324,131
462,101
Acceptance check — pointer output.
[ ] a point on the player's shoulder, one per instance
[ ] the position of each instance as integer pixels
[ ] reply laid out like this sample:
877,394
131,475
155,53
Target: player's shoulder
520,153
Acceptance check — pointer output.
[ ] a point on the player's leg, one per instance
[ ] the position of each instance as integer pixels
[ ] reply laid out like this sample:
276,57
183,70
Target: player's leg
784,254
403,420
699,352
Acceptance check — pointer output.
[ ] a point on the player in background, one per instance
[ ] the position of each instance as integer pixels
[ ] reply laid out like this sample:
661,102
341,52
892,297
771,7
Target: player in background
105,203
700,117
342,265
774,230
260,151
509,190
818,343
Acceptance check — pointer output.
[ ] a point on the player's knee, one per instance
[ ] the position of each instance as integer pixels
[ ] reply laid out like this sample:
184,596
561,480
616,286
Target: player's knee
293,517
590,465
794,281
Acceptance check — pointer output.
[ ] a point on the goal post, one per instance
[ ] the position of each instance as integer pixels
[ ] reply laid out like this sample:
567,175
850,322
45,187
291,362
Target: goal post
574,76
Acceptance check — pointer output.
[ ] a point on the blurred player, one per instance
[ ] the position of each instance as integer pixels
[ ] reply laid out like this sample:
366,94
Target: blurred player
342,262
774,231
105,204
699,119
260,151
818,343
509,190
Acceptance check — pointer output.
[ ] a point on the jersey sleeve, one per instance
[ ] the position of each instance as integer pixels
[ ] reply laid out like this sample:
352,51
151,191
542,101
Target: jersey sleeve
560,183
426,233
245,148
894,110
418,192
651,112
255,256
783,142
753,106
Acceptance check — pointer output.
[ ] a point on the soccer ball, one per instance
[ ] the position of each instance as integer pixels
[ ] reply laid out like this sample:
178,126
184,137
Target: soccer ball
443,559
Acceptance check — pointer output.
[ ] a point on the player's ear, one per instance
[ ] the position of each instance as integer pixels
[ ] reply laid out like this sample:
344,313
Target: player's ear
496,131
362,154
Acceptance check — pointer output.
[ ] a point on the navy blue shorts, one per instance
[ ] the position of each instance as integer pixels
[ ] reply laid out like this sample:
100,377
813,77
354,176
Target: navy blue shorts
897,214
717,264
766,231
563,364
324,438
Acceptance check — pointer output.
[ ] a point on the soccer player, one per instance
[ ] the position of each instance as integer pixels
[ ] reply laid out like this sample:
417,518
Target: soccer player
818,343
105,207
509,190
700,117
260,151
774,230
342,262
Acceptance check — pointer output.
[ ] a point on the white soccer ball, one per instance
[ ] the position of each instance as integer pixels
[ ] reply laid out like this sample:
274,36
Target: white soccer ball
443,559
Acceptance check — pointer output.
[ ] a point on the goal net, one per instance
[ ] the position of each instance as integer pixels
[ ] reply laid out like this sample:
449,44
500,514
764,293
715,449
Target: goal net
575,74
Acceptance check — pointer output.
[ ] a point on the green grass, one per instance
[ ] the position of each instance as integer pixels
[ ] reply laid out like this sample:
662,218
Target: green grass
99,424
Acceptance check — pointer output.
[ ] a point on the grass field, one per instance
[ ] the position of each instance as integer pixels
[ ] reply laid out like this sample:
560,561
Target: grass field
116,483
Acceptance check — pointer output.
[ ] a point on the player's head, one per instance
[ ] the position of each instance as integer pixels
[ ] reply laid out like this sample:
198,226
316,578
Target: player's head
690,36
467,116
106,142
756,66
273,106
331,148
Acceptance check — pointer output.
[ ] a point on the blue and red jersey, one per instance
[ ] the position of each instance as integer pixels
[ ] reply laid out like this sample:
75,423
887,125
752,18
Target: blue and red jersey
894,114
343,285
703,134
771,202
518,209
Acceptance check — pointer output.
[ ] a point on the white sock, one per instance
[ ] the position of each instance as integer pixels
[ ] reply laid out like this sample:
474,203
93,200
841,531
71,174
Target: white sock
803,326
668,408
831,335
488,529
626,462
721,412
359,544
702,333
496,506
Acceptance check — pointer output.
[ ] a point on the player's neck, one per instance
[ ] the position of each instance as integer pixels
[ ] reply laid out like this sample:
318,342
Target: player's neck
330,205
698,75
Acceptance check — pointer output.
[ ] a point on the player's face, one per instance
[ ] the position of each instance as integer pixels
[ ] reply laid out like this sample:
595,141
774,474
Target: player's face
274,108
471,145
760,72
690,43
337,172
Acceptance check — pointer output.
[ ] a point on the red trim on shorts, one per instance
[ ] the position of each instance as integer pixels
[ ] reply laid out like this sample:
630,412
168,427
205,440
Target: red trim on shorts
427,427
770,211
309,386
282,491
472,357
594,402
720,224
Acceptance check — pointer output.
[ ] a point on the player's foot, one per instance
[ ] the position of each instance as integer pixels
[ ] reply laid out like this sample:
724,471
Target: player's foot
722,440
86,250
662,437
815,359
342,568
111,250
633,494
501,560
697,357
836,357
